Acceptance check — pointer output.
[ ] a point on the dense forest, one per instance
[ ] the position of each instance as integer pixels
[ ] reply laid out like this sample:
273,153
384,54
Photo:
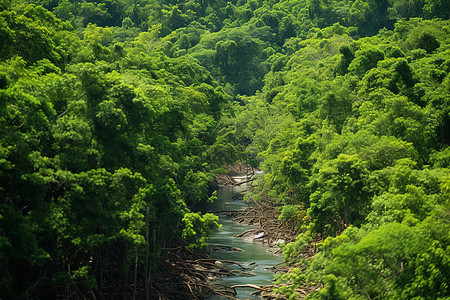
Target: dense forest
116,115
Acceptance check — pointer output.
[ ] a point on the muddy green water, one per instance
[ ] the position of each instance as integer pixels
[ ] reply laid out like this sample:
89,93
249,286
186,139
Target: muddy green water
254,258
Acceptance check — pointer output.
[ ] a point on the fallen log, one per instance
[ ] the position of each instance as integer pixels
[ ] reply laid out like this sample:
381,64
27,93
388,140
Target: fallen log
225,248
251,286
244,181
230,212
302,291
239,273
222,261
222,292
245,232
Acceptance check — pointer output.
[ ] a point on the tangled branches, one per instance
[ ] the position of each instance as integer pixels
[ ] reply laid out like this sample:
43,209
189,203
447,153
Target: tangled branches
270,230
182,274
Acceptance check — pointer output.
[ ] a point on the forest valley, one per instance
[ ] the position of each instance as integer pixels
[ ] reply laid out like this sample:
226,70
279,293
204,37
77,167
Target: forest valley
117,115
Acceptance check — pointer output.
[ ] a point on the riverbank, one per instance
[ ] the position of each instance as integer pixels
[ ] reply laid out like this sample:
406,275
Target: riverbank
184,274
263,215
269,229
254,257
255,222
272,232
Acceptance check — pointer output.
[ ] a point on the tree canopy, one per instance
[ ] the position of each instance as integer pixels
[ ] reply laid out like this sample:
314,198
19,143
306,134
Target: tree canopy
115,116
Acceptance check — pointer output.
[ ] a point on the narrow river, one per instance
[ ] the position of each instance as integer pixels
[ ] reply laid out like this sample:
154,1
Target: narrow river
254,258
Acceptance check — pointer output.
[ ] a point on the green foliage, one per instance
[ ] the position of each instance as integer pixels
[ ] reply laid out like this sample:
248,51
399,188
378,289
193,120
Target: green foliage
341,195
331,290
294,215
113,118
197,227
349,133
365,59
101,150
390,251
292,251
296,279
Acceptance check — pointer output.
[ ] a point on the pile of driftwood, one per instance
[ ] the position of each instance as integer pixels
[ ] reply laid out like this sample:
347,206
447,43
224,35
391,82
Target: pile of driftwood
269,229
183,274
224,179
237,174
240,169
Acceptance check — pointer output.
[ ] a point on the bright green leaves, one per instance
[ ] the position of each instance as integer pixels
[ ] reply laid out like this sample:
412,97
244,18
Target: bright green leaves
394,74
341,195
397,207
238,52
30,32
26,112
197,227
292,251
195,187
295,170
296,278
90,211
99,207
335,108
294,215
388,262
427,275
436,8
110,120
289,164
106,142
353,133
365,59
369,264
226,53
409,194
401,118
135,218
102,147
332,290
72,139
377,152
401,252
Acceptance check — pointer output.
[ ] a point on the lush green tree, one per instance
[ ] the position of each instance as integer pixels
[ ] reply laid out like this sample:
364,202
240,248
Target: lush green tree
340,196
366,58
111,131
